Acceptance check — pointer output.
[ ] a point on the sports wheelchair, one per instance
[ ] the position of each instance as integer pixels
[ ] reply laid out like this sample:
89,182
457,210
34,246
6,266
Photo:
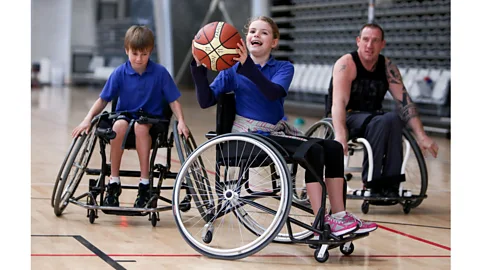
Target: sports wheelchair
76,164
241,184
412,184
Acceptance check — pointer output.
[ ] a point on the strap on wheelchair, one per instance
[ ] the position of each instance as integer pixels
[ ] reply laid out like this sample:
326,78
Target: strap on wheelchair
132,121
302,150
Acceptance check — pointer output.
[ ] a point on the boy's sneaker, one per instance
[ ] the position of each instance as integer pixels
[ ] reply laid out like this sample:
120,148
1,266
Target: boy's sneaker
143,195
341,226
113,192
365,226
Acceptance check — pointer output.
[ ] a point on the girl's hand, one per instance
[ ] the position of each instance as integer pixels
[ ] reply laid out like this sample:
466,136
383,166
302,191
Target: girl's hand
193,54
242,51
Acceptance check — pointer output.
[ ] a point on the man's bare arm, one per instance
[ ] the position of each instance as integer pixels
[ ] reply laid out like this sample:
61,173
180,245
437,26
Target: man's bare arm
343,74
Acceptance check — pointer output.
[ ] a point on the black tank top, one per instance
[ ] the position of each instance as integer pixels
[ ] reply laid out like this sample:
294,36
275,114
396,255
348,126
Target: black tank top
368,89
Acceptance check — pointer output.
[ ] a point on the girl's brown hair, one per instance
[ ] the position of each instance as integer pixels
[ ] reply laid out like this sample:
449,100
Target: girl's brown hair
275,31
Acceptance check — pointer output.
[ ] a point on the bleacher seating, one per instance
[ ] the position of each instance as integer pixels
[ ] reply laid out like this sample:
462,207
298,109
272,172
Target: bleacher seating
315,33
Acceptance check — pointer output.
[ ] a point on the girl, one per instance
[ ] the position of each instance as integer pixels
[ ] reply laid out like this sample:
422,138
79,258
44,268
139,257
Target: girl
260,83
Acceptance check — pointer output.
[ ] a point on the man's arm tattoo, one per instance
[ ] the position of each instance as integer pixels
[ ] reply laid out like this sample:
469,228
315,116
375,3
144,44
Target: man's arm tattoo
393,74
342,68
406,108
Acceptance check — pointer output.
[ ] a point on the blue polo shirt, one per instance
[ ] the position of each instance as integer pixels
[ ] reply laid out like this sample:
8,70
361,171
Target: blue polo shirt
250,102
151,91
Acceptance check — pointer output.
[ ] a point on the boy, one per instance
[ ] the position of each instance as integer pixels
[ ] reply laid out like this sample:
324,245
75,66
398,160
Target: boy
139,84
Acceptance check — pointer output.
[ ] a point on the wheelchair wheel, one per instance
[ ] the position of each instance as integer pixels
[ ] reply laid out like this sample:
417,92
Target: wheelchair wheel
72,171
322,129
184,148
239,192
415,169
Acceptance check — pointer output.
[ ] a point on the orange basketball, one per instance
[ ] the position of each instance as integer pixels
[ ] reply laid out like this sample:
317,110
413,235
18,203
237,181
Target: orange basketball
215,45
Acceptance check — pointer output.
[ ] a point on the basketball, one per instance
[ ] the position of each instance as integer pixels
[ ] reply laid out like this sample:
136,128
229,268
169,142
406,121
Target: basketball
215,45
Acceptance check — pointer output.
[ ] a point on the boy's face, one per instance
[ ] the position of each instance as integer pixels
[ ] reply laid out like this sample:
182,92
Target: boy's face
138,59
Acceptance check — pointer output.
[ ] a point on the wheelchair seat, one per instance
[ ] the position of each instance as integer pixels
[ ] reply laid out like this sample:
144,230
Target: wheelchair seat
157,131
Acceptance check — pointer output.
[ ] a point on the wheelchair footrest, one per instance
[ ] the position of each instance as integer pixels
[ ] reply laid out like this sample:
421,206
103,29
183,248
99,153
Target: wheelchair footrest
377,197
372,193
334,243
120,210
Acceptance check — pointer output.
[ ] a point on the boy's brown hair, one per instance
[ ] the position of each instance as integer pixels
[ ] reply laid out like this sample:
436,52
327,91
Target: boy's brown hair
139,38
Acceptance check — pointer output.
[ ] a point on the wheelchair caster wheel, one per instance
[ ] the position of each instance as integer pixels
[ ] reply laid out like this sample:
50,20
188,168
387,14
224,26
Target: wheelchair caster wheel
154,218
319,258
185,206
365,207
91,216
347,248
208,237
348,177
407,208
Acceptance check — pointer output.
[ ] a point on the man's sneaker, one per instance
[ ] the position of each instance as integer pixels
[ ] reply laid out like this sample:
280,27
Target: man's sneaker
365,226
341,226
143,195
113,192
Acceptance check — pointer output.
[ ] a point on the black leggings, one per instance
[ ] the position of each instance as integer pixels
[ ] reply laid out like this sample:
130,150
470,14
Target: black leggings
328,153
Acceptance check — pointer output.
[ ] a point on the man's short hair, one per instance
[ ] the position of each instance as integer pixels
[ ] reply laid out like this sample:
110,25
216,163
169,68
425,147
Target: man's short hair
372,25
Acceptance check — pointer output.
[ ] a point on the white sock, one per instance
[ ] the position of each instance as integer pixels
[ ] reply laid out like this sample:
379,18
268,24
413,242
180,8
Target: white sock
144,181
339,215
114,179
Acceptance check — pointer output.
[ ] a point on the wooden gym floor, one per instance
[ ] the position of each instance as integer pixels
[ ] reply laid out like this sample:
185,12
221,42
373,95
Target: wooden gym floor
418,240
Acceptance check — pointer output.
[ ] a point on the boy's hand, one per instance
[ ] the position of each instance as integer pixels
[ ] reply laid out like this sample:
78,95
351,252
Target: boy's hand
84,125
182,129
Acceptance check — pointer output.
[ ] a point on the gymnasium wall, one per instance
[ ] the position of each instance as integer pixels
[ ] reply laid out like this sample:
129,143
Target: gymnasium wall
51,31
187,16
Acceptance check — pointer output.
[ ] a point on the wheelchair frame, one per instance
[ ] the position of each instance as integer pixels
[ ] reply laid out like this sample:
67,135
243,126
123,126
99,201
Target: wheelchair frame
405,197
230,199
82,147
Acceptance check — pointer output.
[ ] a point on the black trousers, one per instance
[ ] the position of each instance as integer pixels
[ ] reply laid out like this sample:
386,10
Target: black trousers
326,153
384,133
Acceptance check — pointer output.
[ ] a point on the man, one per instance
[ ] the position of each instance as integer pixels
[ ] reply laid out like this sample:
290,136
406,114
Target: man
359,83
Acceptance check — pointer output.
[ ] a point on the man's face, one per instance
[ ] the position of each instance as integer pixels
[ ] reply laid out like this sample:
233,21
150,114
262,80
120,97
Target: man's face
370,43
138,59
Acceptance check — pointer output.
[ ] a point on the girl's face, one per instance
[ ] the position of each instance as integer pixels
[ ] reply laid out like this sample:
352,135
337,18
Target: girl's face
260,39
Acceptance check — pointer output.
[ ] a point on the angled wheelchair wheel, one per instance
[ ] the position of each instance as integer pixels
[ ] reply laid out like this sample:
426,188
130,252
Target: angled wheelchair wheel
415,169
322,129
185,147
72,170
245,204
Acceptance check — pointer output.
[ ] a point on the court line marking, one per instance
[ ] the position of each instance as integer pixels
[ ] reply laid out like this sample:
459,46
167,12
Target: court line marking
96,251
259,256
415,237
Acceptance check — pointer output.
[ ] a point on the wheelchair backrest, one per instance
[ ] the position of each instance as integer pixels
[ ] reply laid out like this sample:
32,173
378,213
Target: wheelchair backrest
225,113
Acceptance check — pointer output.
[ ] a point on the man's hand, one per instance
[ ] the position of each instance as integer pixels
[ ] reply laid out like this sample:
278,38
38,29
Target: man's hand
344,143
426,143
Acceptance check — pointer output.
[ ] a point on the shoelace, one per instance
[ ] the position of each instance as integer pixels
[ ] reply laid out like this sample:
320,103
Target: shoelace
355,217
